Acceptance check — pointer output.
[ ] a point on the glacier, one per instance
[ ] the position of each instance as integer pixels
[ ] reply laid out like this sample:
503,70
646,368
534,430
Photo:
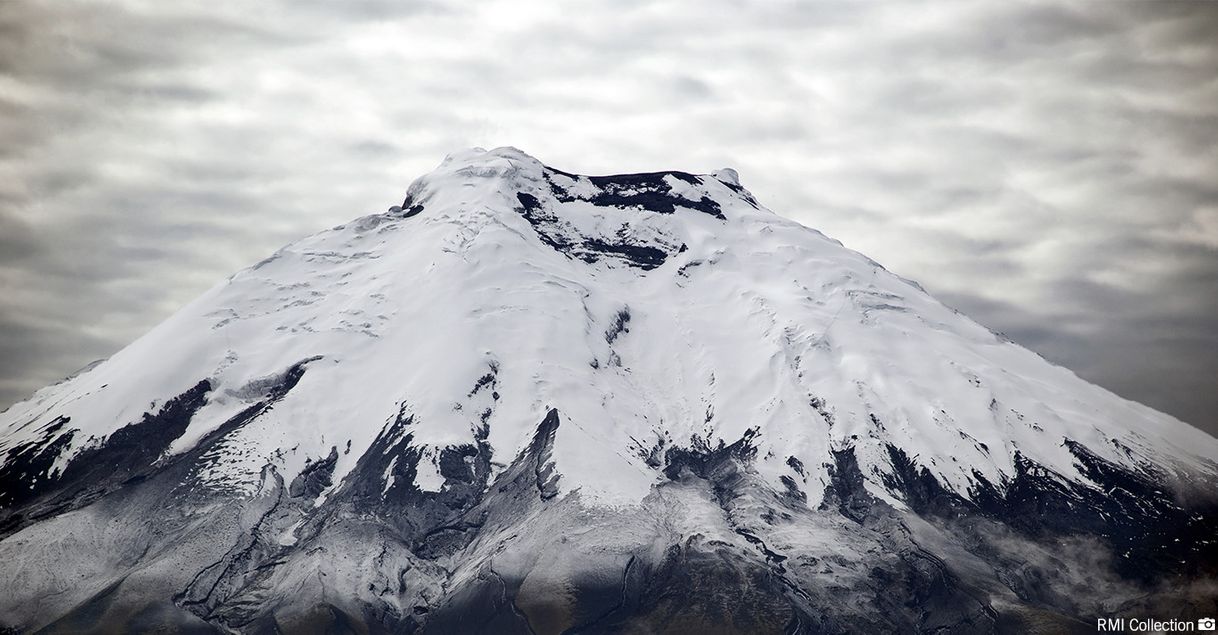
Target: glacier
526,400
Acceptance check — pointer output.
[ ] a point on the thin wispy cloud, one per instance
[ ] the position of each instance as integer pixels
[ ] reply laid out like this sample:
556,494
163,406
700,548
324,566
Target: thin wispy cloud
1048,168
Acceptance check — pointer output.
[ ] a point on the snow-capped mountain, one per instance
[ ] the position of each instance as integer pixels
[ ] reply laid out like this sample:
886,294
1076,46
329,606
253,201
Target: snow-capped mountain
532,401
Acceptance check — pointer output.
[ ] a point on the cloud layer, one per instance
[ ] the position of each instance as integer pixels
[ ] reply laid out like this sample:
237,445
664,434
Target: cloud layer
1049,169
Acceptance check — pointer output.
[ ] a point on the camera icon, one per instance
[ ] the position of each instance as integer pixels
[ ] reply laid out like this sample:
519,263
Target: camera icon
1206,624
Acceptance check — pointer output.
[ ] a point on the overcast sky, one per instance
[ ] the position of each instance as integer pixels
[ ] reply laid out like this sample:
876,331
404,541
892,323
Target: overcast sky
1050,169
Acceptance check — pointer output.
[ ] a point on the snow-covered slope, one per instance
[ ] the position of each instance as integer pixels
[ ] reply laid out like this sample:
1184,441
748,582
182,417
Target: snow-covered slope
660,323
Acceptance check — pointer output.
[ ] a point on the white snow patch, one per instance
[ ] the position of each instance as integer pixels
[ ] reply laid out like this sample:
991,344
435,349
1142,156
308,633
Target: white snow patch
427,475
388,476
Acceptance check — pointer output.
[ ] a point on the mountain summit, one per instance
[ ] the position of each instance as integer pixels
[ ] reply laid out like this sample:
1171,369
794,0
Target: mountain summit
526,400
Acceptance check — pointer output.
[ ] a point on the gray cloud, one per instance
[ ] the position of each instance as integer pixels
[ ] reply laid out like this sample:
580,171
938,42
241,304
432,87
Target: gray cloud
1048,168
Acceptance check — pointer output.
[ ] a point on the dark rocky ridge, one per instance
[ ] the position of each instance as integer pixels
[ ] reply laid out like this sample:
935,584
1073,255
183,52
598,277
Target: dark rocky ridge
647,193
30,489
